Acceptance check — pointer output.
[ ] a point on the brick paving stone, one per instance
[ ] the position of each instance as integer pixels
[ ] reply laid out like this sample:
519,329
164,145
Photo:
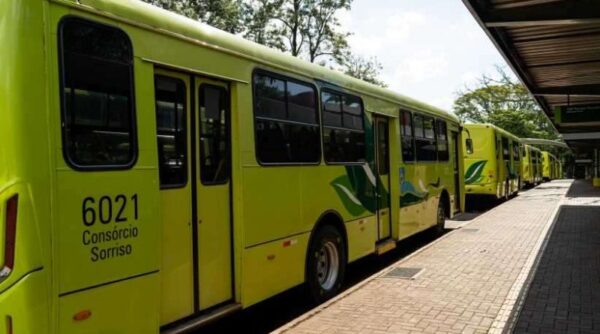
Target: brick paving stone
469,278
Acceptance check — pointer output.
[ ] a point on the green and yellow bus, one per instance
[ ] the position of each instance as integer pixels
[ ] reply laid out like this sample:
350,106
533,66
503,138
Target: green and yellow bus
530,166
156,173
492,161
550,166
559,169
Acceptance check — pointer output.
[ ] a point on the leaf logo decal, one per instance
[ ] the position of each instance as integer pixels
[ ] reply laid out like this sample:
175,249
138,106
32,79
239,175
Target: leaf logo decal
473,174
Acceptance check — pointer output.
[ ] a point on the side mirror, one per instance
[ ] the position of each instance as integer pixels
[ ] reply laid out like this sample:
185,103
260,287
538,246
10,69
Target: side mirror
469,143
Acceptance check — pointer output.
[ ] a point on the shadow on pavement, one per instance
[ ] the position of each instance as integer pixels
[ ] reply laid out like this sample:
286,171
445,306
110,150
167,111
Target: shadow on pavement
564,295
583,188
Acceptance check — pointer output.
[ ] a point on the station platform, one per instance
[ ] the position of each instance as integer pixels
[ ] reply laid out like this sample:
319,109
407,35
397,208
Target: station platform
529,265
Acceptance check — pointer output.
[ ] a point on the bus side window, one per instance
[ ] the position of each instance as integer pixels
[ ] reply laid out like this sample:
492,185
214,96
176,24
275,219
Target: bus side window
343,128
286,121
505,149
442,140
515,150
98,111
408,140
214,136
425,138
171,129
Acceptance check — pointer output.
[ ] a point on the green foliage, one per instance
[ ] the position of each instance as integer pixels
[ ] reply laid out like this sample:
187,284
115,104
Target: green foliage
367,69
222,14
505,103
308,29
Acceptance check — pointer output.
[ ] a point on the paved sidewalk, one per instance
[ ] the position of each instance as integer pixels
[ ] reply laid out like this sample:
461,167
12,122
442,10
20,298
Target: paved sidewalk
470,280
564,296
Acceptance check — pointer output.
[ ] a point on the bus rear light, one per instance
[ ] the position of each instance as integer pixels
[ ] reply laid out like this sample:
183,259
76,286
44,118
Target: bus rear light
10,231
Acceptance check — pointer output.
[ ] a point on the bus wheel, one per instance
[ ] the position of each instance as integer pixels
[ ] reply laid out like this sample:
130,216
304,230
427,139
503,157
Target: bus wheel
326,263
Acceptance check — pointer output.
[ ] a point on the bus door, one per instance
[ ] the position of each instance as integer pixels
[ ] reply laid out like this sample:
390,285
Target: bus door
382,159
212,193
455,168
193,153
173,128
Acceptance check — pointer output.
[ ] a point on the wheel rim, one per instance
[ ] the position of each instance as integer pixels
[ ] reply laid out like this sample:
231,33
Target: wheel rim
328,262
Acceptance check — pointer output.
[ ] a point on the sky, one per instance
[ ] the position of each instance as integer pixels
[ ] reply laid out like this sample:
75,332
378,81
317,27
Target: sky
429,49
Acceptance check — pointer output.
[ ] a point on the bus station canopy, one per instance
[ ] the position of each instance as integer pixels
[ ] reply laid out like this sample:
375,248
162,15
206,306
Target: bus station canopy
554,48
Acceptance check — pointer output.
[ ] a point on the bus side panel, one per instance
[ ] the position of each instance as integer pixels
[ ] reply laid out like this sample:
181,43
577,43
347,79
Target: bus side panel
362,234
273,267
107,229
114,308
418,207
283,204
324,190
27,304
24,167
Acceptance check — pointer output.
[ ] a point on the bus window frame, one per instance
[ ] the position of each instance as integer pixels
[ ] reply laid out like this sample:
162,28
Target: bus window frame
437,122
63,103
423,137
199,134
412,137
506,148
364,130
283,77
186,133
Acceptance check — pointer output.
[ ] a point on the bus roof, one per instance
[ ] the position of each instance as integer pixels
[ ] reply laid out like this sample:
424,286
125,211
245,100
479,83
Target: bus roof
161,21
492,127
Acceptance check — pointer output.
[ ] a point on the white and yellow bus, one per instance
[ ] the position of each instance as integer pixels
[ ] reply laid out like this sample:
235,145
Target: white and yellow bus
156,173
492,161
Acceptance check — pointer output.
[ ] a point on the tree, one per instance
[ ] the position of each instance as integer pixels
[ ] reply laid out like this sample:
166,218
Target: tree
308,29
367,69
323,29
504,102
257,16
222,14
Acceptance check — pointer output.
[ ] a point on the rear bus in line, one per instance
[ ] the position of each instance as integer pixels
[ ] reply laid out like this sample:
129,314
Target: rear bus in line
157,173
550,166
492,161
530,166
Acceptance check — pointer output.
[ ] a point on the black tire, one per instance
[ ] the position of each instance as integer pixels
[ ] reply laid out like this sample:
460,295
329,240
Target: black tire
440,218
321,283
